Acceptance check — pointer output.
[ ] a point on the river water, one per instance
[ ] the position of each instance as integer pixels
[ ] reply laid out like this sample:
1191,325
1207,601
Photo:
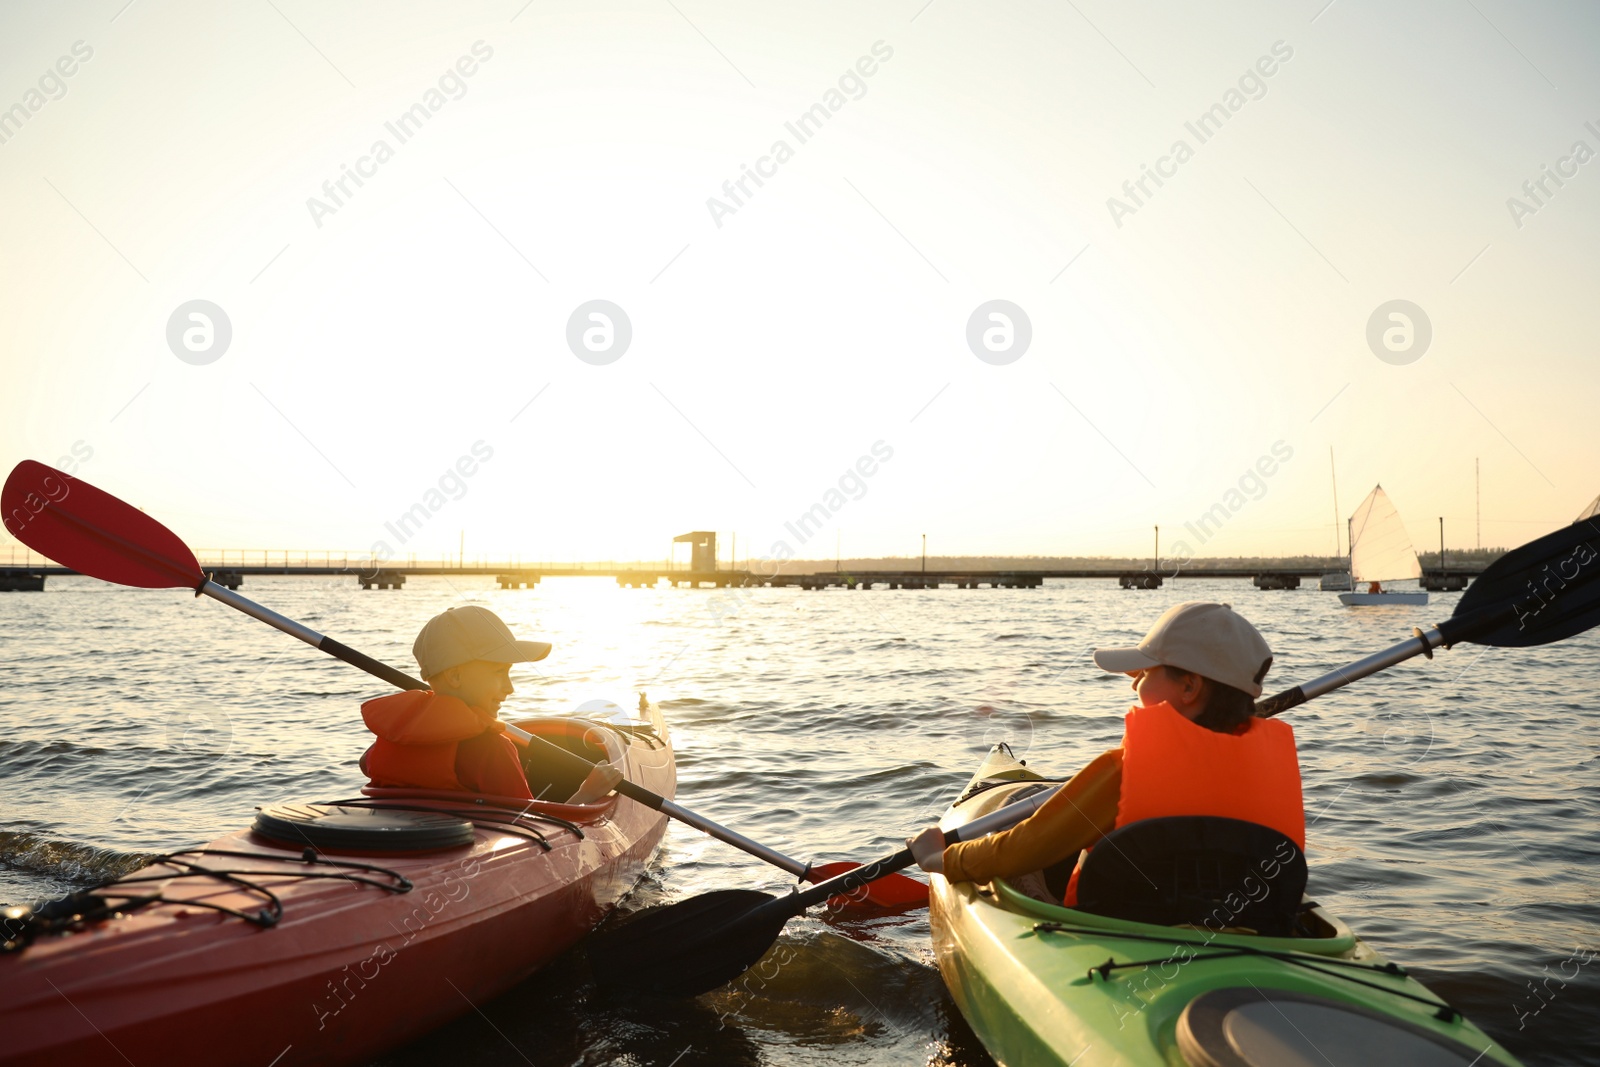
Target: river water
1452,804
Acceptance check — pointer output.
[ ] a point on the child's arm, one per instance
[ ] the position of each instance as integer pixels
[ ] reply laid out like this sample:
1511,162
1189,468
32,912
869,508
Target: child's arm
1081,813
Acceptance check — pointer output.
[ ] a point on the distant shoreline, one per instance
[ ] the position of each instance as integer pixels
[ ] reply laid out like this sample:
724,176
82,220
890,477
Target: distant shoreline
330,562
1429,560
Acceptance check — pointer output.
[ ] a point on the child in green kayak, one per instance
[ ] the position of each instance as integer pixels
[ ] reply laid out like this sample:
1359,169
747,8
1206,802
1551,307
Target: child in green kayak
1192,746
448,737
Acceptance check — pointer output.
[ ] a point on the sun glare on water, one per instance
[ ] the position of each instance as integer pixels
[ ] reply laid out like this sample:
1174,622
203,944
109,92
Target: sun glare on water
602,650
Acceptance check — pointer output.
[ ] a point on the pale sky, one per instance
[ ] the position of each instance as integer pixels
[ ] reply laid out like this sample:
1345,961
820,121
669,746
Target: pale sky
968,154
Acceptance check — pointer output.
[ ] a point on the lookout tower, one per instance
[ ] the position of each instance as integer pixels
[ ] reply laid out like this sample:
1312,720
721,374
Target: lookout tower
703,549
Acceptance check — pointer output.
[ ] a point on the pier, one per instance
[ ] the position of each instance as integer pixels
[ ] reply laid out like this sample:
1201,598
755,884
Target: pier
635,575
23,571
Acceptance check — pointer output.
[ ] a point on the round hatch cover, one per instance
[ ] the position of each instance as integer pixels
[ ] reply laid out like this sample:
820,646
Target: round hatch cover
336,827
1250,1027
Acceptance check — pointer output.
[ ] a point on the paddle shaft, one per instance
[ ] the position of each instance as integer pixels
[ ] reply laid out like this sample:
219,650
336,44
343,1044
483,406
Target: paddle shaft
1420,643
322,642
993,822
573,762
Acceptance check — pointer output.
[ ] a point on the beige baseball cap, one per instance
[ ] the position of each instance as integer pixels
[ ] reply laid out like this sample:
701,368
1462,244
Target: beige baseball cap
1208,639
464,634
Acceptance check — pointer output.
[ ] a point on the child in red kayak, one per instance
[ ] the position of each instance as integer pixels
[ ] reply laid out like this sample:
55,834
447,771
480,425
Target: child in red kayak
448,737
1192,746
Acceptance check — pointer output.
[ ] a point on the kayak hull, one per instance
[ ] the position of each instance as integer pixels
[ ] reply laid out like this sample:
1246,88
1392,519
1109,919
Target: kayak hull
1378,600
1024,972
351,969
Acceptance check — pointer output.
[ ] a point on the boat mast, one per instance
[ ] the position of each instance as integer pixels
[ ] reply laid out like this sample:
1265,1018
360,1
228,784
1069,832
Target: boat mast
1350,550
1335,476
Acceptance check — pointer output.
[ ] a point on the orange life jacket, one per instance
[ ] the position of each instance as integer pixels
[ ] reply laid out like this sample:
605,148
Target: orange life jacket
1172,766
433,741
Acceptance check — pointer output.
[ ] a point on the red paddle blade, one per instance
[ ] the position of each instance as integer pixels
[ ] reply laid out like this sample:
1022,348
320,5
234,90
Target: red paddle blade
92,532
890,891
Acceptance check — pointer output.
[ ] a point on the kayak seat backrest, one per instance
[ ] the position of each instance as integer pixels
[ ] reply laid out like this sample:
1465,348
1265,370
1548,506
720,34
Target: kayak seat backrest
1196,870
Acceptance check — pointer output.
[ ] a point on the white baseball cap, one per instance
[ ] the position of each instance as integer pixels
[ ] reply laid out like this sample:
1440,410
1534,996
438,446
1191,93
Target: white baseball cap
1211,640
464,634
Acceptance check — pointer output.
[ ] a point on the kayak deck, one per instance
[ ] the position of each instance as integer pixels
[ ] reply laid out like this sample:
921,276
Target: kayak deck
1043,984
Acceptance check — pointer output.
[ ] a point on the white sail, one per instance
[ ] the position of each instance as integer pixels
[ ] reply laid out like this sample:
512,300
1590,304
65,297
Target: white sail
1590,512
1380,548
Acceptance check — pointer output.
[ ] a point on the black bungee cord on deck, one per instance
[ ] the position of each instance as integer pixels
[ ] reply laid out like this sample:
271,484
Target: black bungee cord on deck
20,924
1442,1011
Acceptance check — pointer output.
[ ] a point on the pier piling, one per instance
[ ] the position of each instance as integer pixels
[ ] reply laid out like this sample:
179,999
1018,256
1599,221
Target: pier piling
21,580
227,578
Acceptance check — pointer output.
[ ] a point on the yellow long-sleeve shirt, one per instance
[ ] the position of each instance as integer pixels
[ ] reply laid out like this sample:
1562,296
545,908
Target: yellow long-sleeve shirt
1081,813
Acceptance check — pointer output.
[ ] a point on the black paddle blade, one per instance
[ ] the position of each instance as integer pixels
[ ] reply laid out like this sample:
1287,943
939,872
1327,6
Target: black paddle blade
690,947
696,945
1544,591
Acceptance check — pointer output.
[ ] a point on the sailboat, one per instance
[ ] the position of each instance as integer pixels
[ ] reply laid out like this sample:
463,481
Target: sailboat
1381,551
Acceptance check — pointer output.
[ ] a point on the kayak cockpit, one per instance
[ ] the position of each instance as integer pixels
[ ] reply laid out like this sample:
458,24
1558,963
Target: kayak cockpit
551,783
1216,875
1221,878
558,784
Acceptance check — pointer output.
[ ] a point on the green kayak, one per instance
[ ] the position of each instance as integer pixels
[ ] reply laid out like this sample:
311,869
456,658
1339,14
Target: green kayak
1044,984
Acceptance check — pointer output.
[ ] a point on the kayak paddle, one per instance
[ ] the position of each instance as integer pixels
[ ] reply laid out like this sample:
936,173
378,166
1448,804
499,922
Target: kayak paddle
669,951
1544,591
92,532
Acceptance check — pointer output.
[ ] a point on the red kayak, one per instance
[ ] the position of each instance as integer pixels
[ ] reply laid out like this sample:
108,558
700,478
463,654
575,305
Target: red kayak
329,933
